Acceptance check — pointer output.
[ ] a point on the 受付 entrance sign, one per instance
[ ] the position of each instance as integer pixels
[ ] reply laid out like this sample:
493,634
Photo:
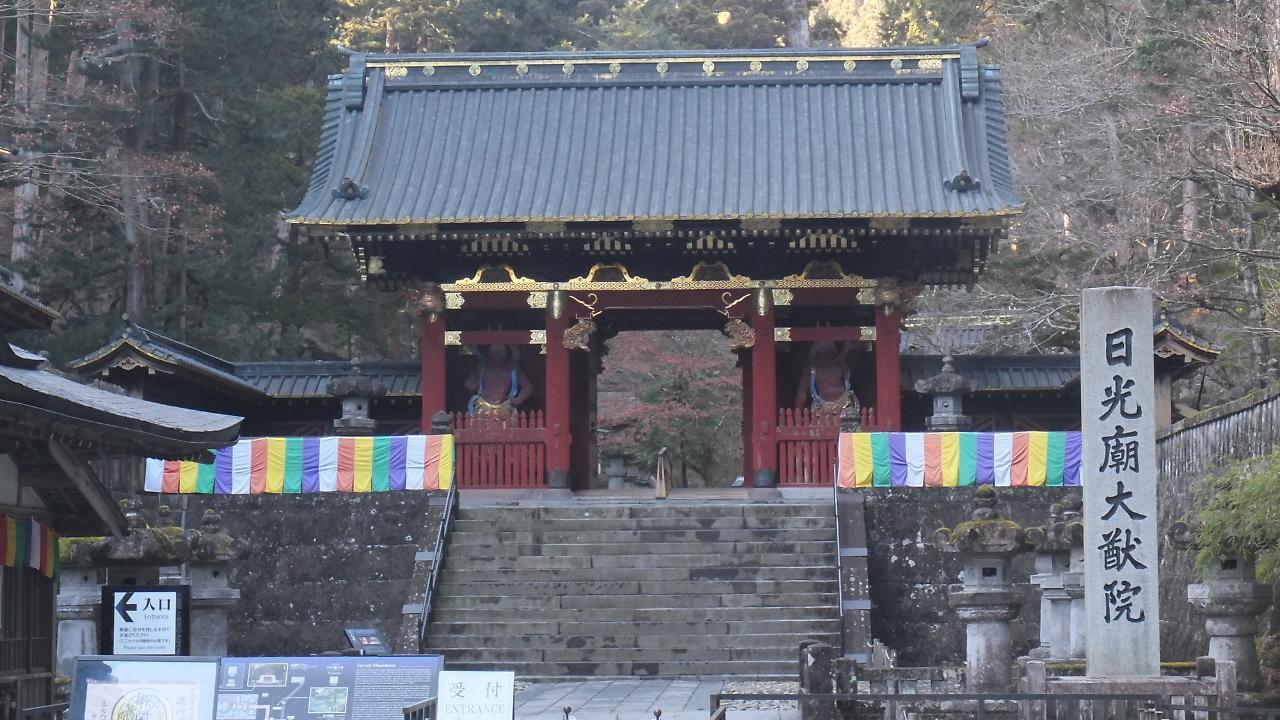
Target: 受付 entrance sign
145,620
1117,399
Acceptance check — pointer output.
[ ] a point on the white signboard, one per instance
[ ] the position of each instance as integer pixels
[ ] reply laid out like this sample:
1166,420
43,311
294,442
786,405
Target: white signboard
468,695
1118,412
145,622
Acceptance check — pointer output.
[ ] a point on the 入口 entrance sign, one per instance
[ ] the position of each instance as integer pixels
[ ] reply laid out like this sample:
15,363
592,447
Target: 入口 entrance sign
466,695
145,620
1118,413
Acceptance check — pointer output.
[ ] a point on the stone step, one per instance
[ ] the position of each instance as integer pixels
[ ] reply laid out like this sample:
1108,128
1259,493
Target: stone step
672,523
786,641
449,599
663,614
655,588
675,548
646,510
551,625
472,575
605,655
662,560
738,669
640,539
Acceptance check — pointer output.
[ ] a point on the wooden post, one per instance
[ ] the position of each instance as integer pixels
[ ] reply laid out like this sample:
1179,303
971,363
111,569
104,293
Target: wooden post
888,369
764,394
748,468
557,395
431,353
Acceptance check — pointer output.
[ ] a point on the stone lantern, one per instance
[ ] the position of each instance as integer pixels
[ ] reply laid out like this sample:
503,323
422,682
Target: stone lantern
987,600
209,573
948,389
1059,573
357,392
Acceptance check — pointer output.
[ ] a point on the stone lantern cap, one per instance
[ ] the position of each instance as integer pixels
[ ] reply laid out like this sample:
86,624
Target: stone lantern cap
985,534
1065,529
947,382
356,384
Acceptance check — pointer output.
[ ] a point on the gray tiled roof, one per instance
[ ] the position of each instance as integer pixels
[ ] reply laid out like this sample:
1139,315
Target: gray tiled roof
998,372
713,136
299,380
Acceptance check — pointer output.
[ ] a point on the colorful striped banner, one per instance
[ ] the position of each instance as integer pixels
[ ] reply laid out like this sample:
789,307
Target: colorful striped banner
27,542
314,464
959,459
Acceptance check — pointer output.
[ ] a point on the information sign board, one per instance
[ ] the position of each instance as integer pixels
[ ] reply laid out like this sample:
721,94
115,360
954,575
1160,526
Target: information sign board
324,688
145,620
472,695
155,688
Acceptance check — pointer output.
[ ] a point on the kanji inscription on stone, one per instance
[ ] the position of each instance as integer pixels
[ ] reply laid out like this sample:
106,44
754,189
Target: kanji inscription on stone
1117,398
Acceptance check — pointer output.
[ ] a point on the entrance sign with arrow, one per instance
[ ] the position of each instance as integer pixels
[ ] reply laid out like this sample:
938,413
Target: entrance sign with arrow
138,620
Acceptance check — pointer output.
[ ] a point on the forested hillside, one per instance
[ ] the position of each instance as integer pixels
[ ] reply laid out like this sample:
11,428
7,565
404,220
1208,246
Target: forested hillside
149,145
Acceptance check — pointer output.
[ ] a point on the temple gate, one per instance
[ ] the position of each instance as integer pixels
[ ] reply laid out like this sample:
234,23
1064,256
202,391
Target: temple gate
542,203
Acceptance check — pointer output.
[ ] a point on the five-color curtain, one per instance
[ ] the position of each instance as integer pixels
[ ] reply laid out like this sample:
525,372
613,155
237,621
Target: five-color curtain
957,459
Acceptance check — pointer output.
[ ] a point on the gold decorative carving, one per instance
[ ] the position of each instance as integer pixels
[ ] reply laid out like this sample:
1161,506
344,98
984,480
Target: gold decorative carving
608,276
454,301
452,337
708,67
782,334
850,65
374,266
578,336
567,68
397,71
764,301
756,66
802,65
741,335
867,296
662,67
822,274
889,223
474,70
782,297
615,68
522,69
537,300
427,301
495,278
537,337
128,363
896,63
545,228
557,304
930,64
653,226
713,275
760,224
428,70
868,333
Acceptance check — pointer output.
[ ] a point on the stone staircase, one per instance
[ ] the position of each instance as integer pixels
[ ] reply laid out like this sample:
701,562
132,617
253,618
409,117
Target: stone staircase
655,588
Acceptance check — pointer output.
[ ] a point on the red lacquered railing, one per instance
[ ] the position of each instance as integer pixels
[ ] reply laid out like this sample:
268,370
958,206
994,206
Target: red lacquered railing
807,445
500,452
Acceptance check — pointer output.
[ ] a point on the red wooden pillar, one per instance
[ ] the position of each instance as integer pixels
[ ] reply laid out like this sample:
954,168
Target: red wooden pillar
432,356
764,394
888,369
557,394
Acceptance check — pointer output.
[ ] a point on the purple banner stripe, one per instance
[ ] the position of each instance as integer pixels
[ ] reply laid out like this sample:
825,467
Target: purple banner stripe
310,465
396,463
1071,451
898,459
222,471
986,459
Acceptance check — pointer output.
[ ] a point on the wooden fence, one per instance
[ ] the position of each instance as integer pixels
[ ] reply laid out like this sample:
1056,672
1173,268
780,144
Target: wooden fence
500,452
807,445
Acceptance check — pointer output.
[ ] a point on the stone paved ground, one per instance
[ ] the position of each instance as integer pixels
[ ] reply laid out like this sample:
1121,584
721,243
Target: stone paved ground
637,698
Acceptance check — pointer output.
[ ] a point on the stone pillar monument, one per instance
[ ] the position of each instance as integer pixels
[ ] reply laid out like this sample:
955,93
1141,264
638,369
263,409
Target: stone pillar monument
1119,474
1060,588
987,600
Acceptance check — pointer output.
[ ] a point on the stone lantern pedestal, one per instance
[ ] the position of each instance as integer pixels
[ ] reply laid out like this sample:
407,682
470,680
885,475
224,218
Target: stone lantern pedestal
1061,589
1230,601
986,601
